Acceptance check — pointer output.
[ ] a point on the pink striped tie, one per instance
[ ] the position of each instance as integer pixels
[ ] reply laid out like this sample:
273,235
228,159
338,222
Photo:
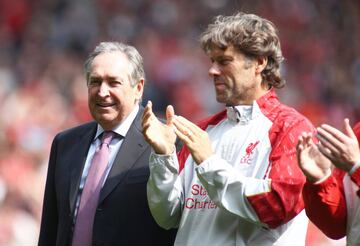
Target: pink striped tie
90,194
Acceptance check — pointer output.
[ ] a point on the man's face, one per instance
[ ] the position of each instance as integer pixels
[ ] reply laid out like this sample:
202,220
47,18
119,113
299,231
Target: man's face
111,97
235,79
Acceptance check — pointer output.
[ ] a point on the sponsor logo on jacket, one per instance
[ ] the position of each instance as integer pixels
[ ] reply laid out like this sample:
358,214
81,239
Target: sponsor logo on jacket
200,199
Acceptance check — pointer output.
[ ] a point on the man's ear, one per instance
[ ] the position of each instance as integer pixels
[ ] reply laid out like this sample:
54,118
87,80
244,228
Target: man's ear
140,88
261,63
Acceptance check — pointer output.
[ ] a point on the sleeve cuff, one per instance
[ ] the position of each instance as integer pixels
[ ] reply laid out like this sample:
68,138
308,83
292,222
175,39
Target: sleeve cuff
160,155
354,168
323,178
355,176
205,165
164,161
320,186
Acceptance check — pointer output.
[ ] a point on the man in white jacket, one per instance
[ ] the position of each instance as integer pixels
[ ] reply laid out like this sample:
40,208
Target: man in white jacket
236,180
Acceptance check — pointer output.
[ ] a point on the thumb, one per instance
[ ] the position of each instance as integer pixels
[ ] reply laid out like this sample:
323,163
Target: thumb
148,109
348,130
169,114
149,105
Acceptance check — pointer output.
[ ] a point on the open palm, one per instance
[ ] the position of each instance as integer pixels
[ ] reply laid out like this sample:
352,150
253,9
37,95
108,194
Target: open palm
159,135
312,162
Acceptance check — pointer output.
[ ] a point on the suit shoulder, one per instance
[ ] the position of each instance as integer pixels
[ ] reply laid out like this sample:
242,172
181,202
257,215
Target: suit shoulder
77,130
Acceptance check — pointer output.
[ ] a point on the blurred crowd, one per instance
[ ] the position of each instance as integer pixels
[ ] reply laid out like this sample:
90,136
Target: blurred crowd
43,45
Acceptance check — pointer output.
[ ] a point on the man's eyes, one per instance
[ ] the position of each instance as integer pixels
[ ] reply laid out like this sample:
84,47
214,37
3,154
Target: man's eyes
221,61
224,62
115,82
97,82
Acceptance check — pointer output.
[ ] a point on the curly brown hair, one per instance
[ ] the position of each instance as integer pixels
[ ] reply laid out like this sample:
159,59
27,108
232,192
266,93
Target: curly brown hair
253,36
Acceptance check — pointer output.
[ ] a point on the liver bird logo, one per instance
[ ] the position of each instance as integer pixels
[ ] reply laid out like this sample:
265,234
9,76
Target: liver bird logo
249,150
247,159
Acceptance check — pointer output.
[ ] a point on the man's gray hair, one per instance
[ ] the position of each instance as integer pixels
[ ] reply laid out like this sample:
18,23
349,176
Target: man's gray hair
136,72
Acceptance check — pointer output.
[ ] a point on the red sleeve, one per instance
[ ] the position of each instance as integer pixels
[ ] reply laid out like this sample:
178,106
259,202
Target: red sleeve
325,205
355,177
284,201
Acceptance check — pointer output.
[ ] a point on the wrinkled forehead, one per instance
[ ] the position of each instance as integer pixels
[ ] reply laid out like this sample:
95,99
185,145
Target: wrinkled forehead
114,58
110,64
217,51
213,47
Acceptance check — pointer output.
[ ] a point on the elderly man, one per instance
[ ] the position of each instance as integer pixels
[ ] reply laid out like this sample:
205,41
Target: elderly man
96,184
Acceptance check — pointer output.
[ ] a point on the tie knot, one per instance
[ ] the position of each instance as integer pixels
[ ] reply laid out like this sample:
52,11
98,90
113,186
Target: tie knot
107,136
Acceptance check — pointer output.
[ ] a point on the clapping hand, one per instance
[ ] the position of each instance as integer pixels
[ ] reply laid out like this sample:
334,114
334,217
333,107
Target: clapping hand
196,139
312,162
160,136
341,148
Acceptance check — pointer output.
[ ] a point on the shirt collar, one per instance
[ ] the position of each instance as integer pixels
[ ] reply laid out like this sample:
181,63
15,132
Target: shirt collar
244,113
123,127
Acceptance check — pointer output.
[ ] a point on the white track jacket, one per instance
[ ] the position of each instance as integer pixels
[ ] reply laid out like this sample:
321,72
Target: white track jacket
248,192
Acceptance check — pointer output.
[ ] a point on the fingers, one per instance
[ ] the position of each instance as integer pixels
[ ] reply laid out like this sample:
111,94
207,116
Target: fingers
301,142
325,151
186,125
300,149
183,137
148,106
147,110
348,129
308,139
170,113
305,141
332,134
335,141
185,128
148,118
147,115
183,134
329,138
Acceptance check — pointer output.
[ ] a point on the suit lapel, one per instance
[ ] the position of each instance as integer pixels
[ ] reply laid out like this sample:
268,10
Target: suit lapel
131,149
76,167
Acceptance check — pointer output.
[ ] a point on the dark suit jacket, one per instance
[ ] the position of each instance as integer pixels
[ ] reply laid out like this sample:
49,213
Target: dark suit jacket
122,216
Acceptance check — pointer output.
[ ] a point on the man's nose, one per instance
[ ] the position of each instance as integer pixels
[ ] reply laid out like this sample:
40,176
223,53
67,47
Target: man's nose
104,89
214,70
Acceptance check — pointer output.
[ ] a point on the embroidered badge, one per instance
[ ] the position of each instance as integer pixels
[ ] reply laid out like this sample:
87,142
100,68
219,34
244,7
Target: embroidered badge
247,158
